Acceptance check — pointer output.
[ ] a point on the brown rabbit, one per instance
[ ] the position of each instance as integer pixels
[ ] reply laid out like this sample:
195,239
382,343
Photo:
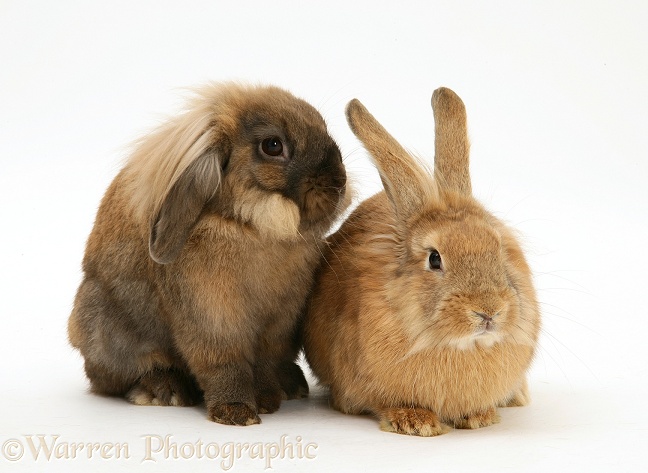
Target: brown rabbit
424,311
203,252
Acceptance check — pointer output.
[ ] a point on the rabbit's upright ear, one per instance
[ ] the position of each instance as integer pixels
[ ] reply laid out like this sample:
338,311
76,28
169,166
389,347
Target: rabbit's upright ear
407,183
451,146
182,206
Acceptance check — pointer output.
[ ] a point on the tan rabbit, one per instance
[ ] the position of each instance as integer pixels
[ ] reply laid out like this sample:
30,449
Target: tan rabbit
424,311
202,255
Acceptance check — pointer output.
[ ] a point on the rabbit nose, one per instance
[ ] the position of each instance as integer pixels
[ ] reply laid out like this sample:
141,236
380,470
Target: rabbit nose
487,321
486,317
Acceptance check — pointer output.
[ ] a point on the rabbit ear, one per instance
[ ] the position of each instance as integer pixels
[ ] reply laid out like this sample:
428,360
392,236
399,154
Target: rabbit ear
176,169
183,205
451,148
406,181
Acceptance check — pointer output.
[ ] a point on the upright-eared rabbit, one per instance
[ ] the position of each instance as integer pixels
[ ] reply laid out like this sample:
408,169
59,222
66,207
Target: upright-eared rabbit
202,255
424,312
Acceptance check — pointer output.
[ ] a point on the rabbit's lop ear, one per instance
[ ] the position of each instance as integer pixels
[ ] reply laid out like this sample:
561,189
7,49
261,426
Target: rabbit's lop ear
406,182
182,206
451,147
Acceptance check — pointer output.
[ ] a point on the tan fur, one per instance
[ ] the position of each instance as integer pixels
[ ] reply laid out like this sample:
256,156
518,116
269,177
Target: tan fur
274,216
451,147
203,253
389,335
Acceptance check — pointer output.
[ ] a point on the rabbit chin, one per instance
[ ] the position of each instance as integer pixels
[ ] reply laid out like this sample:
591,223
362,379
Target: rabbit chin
484,339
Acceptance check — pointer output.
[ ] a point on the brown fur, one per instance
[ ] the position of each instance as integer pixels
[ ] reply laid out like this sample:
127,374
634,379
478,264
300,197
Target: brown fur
392,336
202,255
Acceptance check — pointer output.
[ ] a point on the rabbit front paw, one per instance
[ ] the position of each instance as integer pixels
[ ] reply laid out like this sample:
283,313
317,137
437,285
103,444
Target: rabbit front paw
235,413
411,421
478,420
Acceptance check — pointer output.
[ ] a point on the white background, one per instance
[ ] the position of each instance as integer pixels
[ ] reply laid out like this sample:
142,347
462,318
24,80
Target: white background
557,100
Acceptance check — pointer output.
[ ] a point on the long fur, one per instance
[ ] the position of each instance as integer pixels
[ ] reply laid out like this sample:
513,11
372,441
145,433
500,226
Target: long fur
394,337
202,255
161,157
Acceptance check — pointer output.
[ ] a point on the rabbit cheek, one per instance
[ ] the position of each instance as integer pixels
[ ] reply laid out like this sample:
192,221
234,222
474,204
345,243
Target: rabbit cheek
454,325
273,215
270,176
276,217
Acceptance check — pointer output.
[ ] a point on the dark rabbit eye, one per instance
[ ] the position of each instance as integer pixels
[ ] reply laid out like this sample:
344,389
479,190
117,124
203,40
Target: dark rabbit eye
272,146
435,260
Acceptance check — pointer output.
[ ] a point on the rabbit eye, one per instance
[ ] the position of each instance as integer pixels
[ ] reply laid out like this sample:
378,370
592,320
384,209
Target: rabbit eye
272,146
435,260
